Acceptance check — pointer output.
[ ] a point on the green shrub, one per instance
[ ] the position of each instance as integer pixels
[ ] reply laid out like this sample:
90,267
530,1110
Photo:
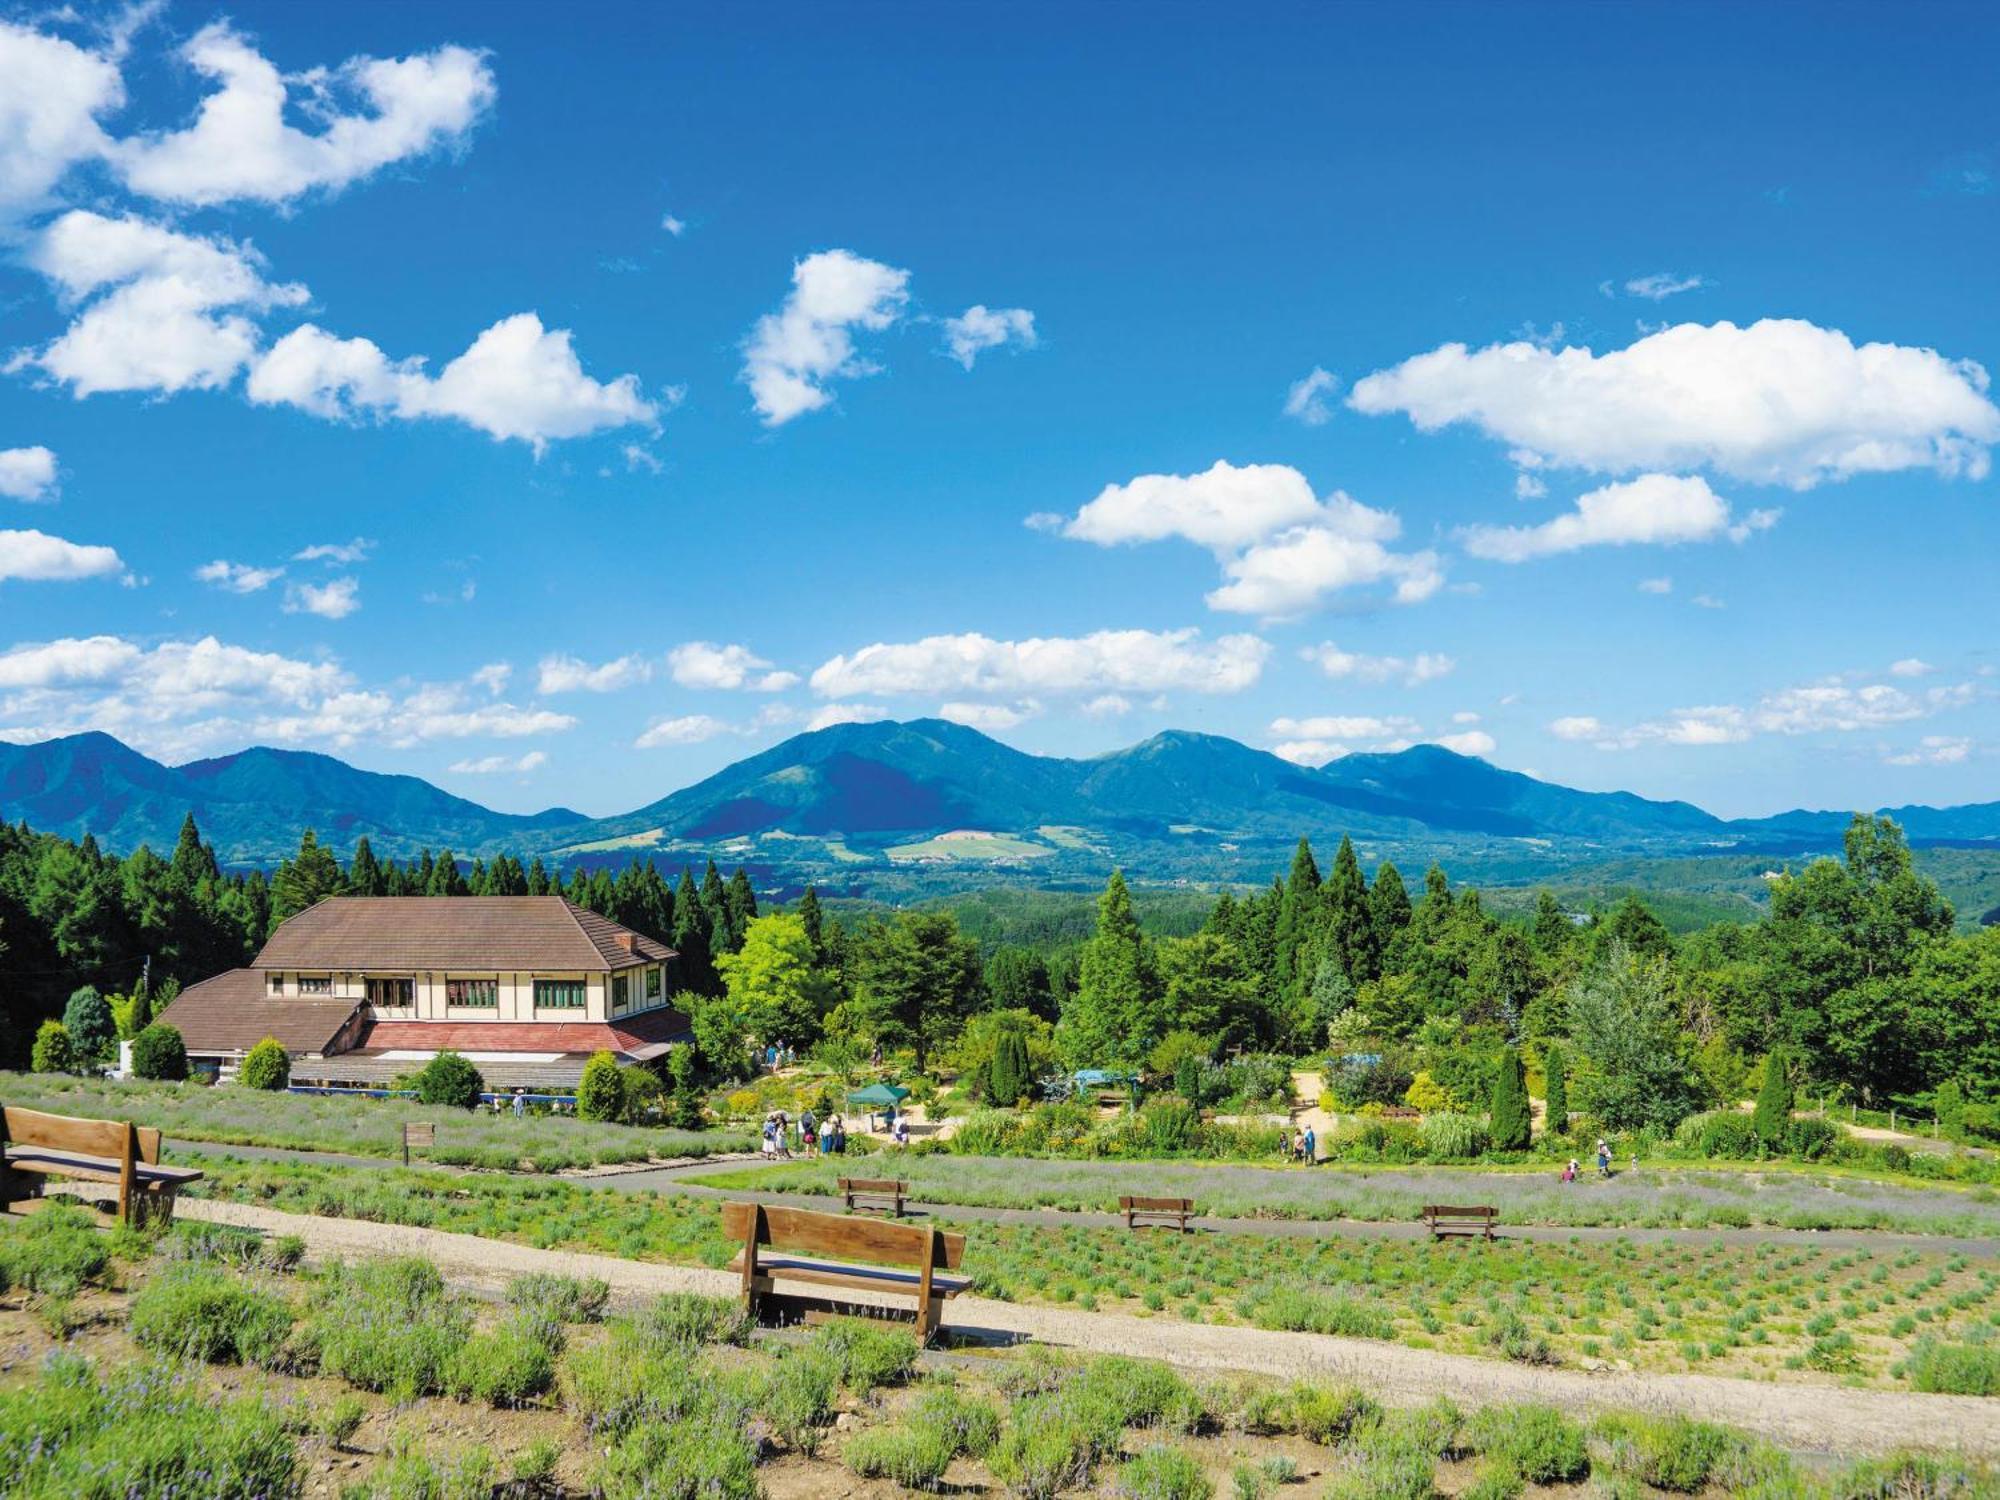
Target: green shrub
969,1425
1049,1447
535,1465
1455,1137
413,1474
1300,1310
1538,1442
342,1418
1393,1467
508,1365
1329,1414
689,1319
53,1051
201,1312
450,1081
1811,1138
1555,1072
54,1253
1774,1101
386,1325
1127,1392
267,1066
1669,1453
600,1095
707,1457
913,1455
796,1396
867,1353
1511,1335
1724,1134
1914,1476
140,1430
561,1299
88,1020
1509,1118
159,1053
1162,1473
1496,1480
1955,1369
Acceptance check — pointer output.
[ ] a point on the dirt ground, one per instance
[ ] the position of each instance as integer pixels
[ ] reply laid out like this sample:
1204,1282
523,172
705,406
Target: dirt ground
1813,1416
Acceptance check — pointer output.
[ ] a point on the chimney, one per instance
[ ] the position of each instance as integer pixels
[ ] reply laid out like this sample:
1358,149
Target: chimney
629,941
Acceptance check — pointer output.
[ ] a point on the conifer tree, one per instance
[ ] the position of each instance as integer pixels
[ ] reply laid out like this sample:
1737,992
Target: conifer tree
1509,1121
739,901
1551,929
306,879
193,860
538,878
1773,1115
697,962
1106,1020
1388,907
364,874
810,914
1299,911
1556,1092
1352,930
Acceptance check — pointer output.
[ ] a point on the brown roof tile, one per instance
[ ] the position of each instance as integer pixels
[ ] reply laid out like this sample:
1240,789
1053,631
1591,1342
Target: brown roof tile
232,1013
496,933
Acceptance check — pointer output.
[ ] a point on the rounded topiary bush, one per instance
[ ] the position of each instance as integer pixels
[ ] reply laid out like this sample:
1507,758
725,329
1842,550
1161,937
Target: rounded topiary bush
53,1052
87,1018
268,1066
448,1079
159,1053
600,1095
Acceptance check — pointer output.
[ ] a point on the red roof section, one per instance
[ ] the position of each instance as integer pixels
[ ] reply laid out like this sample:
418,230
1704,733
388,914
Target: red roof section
644,1033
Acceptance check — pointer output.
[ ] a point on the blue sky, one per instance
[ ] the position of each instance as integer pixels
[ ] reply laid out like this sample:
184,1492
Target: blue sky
647,383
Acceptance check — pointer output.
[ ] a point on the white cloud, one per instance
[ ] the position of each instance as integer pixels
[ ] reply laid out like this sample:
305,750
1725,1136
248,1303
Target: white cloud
1471,742
639,456
1305,401
1779,402
28,473
517,380
990,717
162,311
1707,601
1656,585
237,578
494,676
1412,670
1933,750
64,663
1293,573
846,713
1528,487
673,226
37,556
1911,666
1105,661
1658,509
339,552
704,664
1309,752
1345,727
980,328
568,674
1108,706
240,146
690,729
1465,716
1832,705
51,94
1663,284
493,765
792,355
335,599
1577,727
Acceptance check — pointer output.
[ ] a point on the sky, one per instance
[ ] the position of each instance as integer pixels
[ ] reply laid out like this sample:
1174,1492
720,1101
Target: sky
561,404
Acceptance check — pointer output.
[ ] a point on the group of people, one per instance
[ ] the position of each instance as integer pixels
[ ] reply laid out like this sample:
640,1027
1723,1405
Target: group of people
1304,1146
1572,1171
828,1138
778,1055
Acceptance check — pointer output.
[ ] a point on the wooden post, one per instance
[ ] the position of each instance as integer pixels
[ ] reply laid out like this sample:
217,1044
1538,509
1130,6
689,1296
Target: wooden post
751,1236
926,1321
127,1173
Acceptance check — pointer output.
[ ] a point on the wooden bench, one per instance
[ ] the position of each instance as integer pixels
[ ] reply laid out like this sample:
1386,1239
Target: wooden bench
1160,1212
796,1244
40,1146
874,1195
1443,1219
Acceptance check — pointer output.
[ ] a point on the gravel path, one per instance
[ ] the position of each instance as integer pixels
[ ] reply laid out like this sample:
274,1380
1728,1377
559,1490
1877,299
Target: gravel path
1819,1418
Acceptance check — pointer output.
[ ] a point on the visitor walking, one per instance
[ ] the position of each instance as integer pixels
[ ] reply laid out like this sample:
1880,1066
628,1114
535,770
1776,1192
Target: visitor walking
520,1104
1285,1143
1603,1158
900,1132
770,1146
1572,1171
1310,1143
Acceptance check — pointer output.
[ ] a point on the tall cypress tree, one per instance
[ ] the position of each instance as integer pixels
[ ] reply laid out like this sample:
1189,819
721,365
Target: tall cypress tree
814,919
1299,911
739,902
1353,932
1106,1021
1551,929
1773,1115
1557,1091
1388,906
364,874
697,964
1509,1122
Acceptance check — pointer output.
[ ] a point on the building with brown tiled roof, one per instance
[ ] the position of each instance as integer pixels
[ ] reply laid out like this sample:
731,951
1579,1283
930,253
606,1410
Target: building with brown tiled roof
360,989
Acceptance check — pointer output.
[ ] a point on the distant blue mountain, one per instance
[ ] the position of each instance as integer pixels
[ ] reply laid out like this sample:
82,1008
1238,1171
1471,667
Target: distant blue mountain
866,788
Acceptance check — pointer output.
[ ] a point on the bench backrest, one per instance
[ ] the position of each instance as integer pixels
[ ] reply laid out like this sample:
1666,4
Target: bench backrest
107,1138
845,1238
873,1185
149,1144
1448,1211
1156,1205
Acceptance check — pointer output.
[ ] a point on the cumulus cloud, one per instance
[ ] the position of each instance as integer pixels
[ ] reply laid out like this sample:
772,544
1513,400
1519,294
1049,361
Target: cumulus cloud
1411,670
240,146
338,552
1831,705
689,729
1659,509
335,599
1470,742
1306,400
980,328
494,677
493,765
1105,661
1345,727
704,664
1663,284
28,473
673,226
793,355
37,556
1283,550
237,578
1933,750
1779,402
1911,666
846,713
568,674
517,380
990,717
1656,585
51,95
161,311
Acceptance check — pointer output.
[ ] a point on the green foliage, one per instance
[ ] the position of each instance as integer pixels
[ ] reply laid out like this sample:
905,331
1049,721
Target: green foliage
342,1418
1537,1442
707,1456
686,1320
1509,1118
1948,1105
600,1094
132,1013
912,1455
141,1429
1299,1309
507,1365
1556,1090
1955,1369
87,1019
1669,1453
558,1298
1328,1414
53,1052
867,1353
1719,1134
1009,1074
54,1253
449,1081
159,1053
386,1325
1454,1137
267,1066
1159,1472
1774,1102
1625,1027
412,1472
201,1312
774,985
1108,1021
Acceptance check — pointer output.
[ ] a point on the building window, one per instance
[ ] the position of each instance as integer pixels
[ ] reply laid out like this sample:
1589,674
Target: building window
277,984
484,993
558,994
652,984
392,994
315,984
620,991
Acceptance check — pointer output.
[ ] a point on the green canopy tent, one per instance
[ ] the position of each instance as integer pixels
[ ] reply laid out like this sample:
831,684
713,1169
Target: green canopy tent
877,1097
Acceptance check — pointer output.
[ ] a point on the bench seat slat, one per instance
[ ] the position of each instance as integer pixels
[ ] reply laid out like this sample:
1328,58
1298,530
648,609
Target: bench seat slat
91,1168
835,1273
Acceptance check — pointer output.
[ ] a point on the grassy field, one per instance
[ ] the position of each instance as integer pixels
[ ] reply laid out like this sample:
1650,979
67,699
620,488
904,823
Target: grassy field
236,1116
1793,1311
212,1364
1676,1196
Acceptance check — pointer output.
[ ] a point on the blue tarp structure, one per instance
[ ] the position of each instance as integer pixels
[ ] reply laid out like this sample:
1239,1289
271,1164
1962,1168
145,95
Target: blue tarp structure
1097,1078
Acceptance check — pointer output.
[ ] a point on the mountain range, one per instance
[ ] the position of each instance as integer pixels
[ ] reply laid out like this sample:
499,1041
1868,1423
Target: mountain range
857,800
